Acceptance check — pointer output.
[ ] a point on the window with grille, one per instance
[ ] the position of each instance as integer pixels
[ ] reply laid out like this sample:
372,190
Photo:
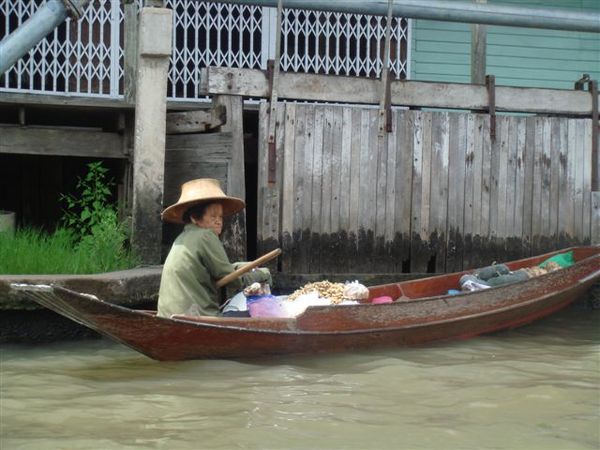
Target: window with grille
87,57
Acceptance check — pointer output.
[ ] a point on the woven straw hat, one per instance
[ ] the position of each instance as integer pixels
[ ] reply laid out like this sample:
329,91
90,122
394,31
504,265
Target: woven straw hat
202,190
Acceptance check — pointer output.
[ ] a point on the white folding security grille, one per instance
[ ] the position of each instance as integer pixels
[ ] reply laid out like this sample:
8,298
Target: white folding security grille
342,43
86,57
211,34
83,57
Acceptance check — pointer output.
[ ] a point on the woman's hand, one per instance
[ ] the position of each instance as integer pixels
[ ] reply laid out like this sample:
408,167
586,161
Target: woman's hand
259,275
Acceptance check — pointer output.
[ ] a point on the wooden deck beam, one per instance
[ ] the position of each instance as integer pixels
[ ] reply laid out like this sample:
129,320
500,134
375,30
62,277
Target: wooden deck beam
343,89
80,102
61,141
198,121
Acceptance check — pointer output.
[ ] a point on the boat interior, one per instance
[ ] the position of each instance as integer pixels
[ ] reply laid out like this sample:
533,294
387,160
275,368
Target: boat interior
434,286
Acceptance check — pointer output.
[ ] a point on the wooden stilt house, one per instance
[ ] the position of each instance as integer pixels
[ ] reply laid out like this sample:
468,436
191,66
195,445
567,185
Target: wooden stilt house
354,156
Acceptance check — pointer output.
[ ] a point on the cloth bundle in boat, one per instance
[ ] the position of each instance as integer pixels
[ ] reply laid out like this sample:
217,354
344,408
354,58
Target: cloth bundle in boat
492,271
495,275
509,278
499,274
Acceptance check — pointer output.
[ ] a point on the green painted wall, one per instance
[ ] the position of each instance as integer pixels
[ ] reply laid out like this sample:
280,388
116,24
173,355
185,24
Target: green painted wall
516,56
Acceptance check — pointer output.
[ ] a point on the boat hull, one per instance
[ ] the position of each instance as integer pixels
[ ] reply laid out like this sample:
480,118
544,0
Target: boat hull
405,322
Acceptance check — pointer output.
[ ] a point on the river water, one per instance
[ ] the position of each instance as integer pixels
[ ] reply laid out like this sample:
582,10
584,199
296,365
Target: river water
537,387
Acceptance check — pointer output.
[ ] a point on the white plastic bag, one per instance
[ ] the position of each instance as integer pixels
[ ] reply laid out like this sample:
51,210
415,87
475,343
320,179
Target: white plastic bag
294,308
355,291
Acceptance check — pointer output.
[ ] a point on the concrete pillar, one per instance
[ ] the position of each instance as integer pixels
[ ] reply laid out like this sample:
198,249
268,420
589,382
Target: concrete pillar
154,50
7,222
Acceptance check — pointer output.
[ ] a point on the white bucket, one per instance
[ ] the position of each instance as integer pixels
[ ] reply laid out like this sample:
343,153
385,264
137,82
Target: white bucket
8,220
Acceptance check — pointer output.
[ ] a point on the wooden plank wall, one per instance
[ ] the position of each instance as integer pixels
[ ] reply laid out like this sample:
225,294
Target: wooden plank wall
436,194
191,156
192,152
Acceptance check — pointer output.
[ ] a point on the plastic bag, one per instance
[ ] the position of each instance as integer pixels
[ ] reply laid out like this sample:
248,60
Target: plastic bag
562,259
257,289
355,291
472,283
293,308
265,305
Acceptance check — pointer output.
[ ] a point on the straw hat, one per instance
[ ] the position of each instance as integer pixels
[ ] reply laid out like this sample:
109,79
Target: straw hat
202,190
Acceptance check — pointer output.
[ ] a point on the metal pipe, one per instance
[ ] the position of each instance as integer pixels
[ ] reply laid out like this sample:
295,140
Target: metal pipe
36,28
459,11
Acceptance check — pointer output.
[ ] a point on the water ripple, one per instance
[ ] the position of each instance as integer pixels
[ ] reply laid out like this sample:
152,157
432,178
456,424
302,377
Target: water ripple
537,387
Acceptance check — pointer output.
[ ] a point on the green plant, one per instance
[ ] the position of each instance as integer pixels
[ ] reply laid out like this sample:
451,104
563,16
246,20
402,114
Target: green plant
86,210
106,244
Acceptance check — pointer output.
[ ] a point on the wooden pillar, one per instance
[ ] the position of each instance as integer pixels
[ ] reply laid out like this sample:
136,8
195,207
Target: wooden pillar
130,50
235,234
595,220
478,51
129,76
154,50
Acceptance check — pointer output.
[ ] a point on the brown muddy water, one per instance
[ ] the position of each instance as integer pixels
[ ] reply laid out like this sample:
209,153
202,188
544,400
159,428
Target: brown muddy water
537,387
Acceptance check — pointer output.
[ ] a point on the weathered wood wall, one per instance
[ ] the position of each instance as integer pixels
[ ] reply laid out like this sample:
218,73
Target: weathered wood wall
436,194
191,153
190,156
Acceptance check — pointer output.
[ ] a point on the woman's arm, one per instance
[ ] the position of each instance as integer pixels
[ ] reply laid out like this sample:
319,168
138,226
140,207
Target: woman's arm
215,259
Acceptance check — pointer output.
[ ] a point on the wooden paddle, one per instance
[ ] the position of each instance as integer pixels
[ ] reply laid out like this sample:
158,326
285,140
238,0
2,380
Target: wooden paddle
248,267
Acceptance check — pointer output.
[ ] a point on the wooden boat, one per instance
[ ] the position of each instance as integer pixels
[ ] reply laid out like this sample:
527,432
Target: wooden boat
422,313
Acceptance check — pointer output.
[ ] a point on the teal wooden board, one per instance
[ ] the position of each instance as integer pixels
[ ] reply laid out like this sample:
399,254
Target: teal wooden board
515,56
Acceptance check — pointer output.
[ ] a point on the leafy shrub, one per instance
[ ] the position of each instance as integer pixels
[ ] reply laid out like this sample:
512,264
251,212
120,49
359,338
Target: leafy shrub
87,209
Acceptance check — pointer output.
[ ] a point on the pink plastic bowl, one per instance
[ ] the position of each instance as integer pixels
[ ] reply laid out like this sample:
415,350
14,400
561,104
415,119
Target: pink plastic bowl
382,299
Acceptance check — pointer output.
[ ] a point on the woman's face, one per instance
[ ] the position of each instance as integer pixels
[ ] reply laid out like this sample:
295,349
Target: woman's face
212,219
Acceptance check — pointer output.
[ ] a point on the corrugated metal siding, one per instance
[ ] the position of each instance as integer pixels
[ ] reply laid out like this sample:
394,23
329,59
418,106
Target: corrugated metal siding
516,56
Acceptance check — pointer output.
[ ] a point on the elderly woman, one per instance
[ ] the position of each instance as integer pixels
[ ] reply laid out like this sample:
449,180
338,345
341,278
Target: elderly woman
198,259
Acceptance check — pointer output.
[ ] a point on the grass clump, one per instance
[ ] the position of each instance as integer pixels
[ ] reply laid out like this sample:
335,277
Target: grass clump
90,239
32,251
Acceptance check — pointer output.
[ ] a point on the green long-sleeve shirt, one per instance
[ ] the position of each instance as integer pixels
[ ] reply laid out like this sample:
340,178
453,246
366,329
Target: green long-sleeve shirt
187,286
